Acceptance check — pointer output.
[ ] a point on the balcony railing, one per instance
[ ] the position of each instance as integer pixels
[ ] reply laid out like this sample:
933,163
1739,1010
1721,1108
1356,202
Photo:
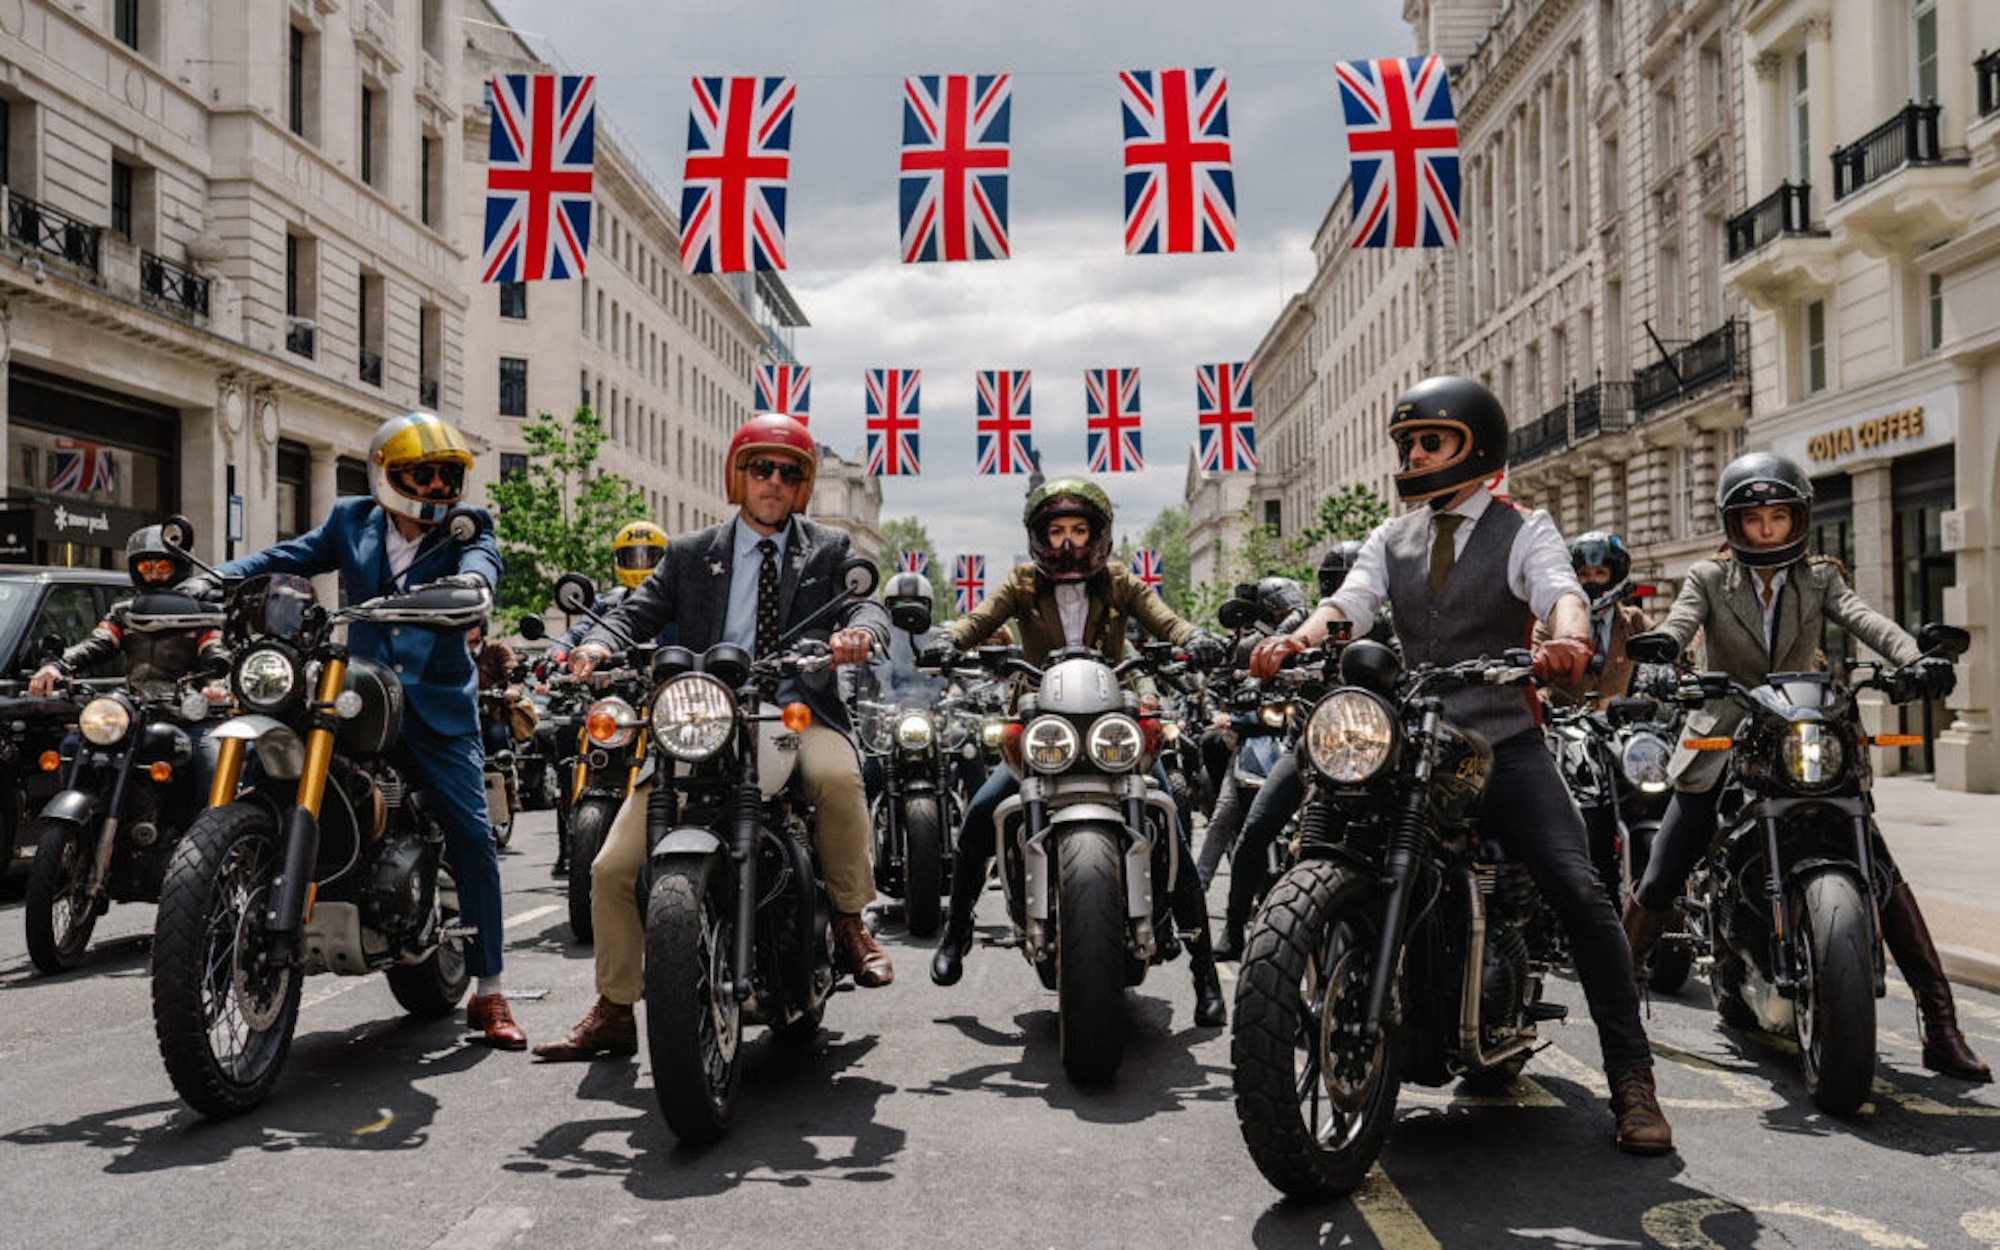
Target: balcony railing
299,338
1546,433
427,393
1721,355
1908,138
49,230
370,367
1602,407
1788,210
173,286
1986,70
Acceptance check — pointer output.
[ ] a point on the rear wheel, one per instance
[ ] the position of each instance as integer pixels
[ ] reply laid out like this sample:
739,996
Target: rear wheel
60,911
1090,954
589,822
694,1025
1836,997
923,865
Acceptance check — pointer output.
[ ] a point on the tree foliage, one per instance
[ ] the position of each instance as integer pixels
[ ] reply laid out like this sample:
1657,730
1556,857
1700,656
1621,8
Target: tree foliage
560,515
1258,551
1168,536
908,533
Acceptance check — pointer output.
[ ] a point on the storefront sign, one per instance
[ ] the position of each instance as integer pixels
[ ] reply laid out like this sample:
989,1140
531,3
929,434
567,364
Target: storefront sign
1931,420
56,519
17,537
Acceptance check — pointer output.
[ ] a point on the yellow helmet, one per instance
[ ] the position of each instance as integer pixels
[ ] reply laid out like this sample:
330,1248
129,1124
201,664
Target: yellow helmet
638,547
407,442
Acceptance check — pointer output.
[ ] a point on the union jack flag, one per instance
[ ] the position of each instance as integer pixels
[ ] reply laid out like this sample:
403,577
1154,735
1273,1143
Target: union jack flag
892,421
1180,195
538,177
1111,420
1003,424
1146,567
1402,151
968,578
738,161
917,562
1226,439
785,388
954,186
79,467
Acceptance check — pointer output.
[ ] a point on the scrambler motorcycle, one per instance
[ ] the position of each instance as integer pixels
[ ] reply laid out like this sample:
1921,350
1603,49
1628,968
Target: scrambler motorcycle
316,857
1785,904
910,821
739,927
1396,949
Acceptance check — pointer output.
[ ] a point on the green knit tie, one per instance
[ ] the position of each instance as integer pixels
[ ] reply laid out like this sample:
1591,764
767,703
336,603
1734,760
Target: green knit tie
1443,549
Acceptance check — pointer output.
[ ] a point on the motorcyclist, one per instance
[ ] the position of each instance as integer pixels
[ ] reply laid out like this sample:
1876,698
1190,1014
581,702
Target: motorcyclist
894,677
1281,605
508,716
1070,594
712,583
1468,573
388,542
1765,578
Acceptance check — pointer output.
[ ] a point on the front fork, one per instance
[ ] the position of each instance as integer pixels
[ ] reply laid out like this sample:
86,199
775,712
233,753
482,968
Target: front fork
107,830
1783,966
1399,871
291,894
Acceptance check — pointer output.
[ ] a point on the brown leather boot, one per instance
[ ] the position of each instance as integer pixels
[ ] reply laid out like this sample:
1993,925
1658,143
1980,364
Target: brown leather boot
859,953
489,1014
1642,1126
1643,927
607,1029
1909,941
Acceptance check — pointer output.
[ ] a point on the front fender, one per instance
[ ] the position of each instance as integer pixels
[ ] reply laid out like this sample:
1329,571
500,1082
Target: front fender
687,840
281,753
79,807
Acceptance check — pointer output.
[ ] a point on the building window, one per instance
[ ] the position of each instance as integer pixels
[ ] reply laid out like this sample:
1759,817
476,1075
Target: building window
125,22
430,348
1933,312
121,198
1667,130
513,464
1924,50
514,300
371,301
301,294
1815,344
1713,104
294,494
371,112
1614,186
299,79
513,387
427,178
1801,118
6,146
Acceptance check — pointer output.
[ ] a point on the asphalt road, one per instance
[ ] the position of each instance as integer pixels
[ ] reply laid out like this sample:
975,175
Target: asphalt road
924,1117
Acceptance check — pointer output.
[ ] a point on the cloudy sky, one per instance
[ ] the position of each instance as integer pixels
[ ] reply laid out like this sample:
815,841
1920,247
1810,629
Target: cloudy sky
1069,298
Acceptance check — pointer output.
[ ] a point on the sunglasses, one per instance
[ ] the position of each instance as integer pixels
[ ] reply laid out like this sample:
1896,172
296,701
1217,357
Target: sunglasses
789,474
1431,441
154,570
422,475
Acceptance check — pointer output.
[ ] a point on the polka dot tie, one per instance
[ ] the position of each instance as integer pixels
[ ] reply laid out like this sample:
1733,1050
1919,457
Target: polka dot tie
767,599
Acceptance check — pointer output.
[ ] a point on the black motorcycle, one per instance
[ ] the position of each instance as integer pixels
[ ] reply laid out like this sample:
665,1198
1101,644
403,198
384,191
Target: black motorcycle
1396,949
1785,901
128,794
914,810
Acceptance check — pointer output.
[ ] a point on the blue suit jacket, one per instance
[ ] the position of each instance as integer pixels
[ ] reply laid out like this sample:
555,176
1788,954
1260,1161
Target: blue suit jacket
439,684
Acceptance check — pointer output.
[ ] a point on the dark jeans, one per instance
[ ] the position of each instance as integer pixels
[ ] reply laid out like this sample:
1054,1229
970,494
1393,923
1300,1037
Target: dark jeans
1530,812
450,772
1687,829
1249,868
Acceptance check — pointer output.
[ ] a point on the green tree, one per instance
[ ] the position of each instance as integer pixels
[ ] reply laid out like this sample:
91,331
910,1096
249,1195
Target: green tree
560,515
1168,536
908,533
1258,551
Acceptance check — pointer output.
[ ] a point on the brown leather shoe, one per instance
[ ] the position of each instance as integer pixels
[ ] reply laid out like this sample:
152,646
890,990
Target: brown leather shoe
1642,1126
859,953
488,1013
608,1029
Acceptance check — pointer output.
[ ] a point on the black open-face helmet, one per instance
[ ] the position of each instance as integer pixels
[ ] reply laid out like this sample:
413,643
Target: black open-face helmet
1757,479
151,563
1448,403
908,598
1601,549
1278,598
1336,564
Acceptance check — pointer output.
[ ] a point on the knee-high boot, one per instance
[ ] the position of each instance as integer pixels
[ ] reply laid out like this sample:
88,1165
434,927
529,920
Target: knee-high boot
1191,914
1909,941
968,879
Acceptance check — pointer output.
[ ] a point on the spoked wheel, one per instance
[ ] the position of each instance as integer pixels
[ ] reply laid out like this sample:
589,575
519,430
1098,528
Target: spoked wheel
694,1025
1090,955
60,911
1836,997
222,1012
923,866
589,822
1313,1103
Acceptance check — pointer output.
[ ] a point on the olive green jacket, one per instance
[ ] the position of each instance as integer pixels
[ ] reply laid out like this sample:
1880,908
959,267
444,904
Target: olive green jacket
1118,600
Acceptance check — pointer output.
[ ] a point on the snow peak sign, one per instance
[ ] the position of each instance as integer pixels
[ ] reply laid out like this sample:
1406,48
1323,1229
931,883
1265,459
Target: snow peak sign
52,522
1899,426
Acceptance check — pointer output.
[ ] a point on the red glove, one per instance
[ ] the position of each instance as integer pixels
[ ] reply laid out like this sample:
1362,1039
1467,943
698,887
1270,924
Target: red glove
1268,656
1562,661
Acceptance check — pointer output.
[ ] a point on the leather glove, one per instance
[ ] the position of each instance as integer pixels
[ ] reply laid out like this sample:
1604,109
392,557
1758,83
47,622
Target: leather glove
943,653
202,586
1562,661
1205,650
1269,655
1932,676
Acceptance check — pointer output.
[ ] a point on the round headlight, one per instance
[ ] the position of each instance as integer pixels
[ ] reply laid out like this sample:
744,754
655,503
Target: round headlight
1115,743
991,732
1273,714
1350,736
265,677
693,716
914,731
1050,744
1644,760
1813,754
609,722
104,721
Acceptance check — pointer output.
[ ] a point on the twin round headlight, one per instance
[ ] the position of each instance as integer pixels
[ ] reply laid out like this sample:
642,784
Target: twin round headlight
1051,744
693,716
1350,737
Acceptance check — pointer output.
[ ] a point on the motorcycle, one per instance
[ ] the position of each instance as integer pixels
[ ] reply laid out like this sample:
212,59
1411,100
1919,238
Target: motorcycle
499,776
316,856
1785,901
1395,949
739,927
127,796
911,819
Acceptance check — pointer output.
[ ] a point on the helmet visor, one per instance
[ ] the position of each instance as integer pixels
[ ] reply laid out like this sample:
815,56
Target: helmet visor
638,557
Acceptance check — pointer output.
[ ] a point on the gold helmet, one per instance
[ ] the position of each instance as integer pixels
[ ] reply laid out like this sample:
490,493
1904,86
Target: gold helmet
638,547
413,442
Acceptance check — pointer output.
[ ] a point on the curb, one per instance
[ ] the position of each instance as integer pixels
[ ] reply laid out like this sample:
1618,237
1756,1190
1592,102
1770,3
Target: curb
1966,966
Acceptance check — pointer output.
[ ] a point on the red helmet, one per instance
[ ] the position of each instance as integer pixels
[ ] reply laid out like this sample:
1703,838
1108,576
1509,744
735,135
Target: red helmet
766,432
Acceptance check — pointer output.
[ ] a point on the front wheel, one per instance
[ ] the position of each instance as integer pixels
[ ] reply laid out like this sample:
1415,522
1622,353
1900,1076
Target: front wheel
1314,1104
1090,954
694,1024
223,1010
589,822
1836,998
923,865
60,911
431,989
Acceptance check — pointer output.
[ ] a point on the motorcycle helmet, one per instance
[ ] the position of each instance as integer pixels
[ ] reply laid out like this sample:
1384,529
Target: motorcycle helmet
772,432
908,598
1068,496
1601,549
412,443
1336,564
1756,479
152,564
1456,404
1277,598
636,549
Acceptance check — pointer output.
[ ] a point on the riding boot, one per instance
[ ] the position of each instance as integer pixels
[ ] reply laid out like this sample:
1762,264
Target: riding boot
1909,941
1191,914
968,880
1643,927
1235,919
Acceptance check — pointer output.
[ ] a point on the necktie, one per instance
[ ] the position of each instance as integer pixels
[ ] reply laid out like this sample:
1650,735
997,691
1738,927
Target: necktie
767,599
1443,549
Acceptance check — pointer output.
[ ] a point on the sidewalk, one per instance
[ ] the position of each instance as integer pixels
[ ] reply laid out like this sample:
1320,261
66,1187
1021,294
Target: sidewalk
1948,845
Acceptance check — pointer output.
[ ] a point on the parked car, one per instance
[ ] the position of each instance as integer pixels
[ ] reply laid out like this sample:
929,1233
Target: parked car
37,604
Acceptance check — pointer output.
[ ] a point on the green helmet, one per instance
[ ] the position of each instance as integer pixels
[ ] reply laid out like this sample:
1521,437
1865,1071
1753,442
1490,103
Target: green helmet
1068,496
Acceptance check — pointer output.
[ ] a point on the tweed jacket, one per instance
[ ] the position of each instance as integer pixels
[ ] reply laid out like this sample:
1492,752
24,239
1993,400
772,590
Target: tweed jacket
1719,598
1117,601
689,588
1615,678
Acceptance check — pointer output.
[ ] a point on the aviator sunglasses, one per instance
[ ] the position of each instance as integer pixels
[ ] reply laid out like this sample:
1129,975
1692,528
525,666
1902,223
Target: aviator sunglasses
422,475
789,474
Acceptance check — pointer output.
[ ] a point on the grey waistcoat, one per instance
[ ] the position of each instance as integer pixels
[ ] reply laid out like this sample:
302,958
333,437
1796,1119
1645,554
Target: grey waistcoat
1475,614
